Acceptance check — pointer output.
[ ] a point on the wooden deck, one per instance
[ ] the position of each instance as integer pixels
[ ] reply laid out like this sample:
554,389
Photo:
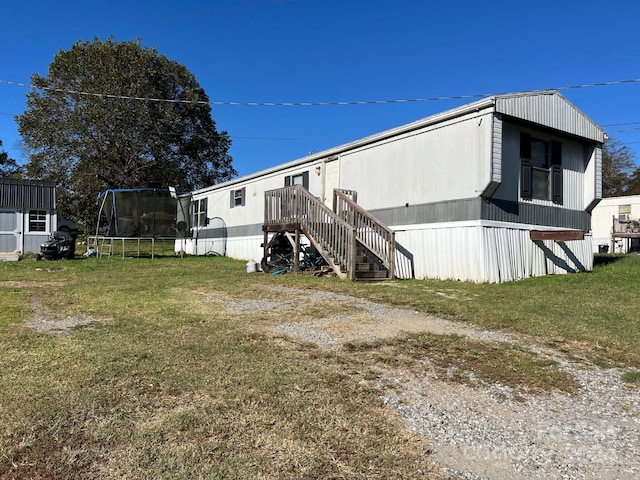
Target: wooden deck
628,229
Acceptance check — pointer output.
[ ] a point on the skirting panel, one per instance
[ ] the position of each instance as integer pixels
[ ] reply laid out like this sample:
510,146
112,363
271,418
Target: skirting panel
489,254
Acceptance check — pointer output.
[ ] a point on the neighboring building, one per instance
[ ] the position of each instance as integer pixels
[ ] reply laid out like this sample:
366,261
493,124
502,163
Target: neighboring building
27,215
616,225
497,190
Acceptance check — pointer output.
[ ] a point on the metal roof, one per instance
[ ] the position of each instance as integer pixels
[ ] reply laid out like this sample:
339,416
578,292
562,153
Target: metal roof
34,194
544,107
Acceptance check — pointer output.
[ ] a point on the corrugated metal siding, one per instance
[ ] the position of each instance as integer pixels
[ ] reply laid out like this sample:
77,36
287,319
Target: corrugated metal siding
27,194
445,253
510,255
491,254
552,110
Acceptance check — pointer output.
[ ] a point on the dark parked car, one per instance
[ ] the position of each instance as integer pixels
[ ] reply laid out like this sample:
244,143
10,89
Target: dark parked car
59,245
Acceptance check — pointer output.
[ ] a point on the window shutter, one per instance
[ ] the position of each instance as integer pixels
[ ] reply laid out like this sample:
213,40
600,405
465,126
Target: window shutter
525,165
305,179
203,212
556,172
232,201
287,181
243,195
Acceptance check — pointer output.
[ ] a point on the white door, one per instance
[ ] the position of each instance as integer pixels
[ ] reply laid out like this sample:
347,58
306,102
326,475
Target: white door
331,180
9,232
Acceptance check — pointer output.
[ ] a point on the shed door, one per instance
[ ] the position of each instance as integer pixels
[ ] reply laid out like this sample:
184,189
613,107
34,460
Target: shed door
331,180
9,234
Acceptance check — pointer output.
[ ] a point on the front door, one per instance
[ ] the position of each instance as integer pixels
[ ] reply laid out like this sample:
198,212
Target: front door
331,181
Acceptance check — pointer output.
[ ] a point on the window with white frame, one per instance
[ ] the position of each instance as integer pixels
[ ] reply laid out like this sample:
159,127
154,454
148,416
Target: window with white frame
199,213
541,168
37,220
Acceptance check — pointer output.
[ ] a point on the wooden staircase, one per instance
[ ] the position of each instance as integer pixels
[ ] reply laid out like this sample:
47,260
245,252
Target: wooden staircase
352,242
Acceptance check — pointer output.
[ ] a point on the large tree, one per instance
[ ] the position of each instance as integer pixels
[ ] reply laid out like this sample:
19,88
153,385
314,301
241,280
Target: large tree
118,115
618,165
8,166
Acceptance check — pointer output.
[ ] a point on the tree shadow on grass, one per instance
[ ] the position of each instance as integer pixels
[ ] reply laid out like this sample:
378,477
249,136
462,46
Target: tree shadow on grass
605,258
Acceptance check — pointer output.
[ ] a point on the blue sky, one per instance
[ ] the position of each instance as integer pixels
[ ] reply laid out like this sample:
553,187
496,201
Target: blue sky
344,50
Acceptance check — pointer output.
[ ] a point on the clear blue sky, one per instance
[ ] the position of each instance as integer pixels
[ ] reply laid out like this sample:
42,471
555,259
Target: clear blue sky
344,50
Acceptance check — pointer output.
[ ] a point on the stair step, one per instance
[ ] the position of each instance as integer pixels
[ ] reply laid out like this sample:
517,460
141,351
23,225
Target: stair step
377,275
365,266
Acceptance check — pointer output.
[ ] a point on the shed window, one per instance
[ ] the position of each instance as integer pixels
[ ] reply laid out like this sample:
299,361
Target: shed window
237,197
541,169
37,220
301,178
199,213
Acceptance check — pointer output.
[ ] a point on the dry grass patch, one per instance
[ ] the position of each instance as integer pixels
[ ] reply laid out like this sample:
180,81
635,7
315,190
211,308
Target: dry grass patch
469,361
178,386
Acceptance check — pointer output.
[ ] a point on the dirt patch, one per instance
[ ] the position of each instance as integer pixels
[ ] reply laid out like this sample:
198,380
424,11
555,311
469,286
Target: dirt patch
44,321
331,319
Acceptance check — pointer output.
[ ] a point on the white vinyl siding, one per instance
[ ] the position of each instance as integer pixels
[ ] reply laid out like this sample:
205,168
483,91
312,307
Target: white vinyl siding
429,165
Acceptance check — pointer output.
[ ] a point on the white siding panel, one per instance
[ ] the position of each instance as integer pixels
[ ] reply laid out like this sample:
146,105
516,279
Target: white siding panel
490,254
444,163
511,255
240,248
445,253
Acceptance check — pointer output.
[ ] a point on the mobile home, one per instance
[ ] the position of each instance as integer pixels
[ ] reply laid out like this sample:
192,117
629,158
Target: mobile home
496,190
616,225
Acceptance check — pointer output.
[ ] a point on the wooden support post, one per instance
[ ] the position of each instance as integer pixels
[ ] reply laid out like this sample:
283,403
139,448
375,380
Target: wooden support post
296,252
265,245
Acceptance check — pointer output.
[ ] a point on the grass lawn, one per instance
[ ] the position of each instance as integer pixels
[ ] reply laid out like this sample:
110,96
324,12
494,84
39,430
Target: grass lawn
159,380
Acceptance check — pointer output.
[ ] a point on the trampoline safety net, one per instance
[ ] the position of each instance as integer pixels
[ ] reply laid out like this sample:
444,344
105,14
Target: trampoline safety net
143,213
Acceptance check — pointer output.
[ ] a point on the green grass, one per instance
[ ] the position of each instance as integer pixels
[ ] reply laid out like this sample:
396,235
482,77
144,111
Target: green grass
166,383
170,386
632,376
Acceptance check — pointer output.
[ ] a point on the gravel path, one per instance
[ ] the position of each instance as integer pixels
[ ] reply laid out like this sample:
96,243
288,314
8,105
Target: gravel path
488,432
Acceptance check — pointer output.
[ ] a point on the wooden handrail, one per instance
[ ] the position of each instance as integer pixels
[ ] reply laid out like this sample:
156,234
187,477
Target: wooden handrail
332,236
625,226
373,235
333,233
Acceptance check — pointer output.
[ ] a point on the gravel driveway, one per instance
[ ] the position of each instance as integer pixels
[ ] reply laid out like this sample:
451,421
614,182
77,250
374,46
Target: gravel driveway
487,432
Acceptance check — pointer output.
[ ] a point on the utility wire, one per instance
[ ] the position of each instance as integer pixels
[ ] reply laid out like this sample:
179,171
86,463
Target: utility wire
310,104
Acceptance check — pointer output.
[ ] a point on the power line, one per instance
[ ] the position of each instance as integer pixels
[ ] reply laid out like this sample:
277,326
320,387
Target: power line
619,124
310,104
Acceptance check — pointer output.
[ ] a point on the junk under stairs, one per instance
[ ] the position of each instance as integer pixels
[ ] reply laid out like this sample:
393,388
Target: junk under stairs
353,243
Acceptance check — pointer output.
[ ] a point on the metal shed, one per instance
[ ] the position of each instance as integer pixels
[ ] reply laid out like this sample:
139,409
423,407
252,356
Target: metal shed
27,215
